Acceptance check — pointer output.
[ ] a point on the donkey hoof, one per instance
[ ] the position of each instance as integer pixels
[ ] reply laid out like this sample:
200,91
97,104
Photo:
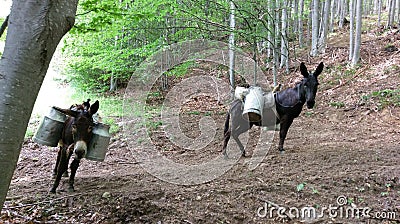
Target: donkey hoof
243,153
71,189
52,190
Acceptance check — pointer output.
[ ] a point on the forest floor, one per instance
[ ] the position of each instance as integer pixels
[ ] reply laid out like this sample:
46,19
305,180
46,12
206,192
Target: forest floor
341,157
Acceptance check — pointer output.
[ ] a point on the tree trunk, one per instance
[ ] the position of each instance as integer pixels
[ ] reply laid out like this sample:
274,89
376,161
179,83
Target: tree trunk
325,25
391,14
357,42
379,12
397,19
351,43
309,26
113,79
315,28
376,6
284,42
296,16
270,24
341,13
272,38
332,19
231,47
277,38
300,20
35,29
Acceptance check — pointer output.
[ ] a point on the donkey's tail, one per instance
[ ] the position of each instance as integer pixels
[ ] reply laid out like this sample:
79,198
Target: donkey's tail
226,128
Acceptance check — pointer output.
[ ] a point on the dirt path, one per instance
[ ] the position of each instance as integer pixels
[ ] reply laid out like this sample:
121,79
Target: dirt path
363,169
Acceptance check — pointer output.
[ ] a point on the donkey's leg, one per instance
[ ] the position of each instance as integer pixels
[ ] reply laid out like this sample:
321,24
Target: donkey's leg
285,124
61,167
69,154
74,167
227,136
235,135
57,162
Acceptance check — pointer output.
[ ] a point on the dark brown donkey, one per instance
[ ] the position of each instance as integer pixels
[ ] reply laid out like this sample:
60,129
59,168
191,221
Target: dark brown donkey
288,103
76,136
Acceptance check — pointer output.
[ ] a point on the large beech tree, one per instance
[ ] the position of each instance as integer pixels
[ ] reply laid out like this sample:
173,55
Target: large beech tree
34,30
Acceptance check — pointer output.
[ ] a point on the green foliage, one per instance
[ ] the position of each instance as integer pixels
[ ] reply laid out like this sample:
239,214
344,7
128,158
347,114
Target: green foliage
112,38
30,132
383,98
308,113
110,106
301,187
180,70
107,42
394,68
194,112
336,104
114,128
384,194
151,118
350,201
314,190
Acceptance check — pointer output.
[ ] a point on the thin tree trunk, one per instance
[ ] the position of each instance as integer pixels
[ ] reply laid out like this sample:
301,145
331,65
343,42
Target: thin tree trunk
271,29
231,47
309,26
284,42
300,20
35,29
296,16
341,13
277,34
315,28
397,20
391,14
275,58
332,19
351,42
325,25
357,43
113,79
379,12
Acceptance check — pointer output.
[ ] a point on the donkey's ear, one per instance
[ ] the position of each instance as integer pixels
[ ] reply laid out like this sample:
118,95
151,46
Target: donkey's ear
68,112
303,70
319,69
94,108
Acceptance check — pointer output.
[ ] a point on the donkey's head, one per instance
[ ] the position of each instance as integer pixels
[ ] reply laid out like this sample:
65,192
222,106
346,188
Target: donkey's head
310,83
79,125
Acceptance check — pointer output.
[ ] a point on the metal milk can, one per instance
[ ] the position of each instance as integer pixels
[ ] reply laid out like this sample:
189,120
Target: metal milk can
50,130
253,104
98,145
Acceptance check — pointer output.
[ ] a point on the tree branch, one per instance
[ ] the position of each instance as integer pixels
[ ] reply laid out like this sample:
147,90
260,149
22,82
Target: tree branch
4,26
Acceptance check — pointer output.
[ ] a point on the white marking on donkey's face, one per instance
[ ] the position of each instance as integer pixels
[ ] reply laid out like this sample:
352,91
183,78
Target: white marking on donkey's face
80,149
